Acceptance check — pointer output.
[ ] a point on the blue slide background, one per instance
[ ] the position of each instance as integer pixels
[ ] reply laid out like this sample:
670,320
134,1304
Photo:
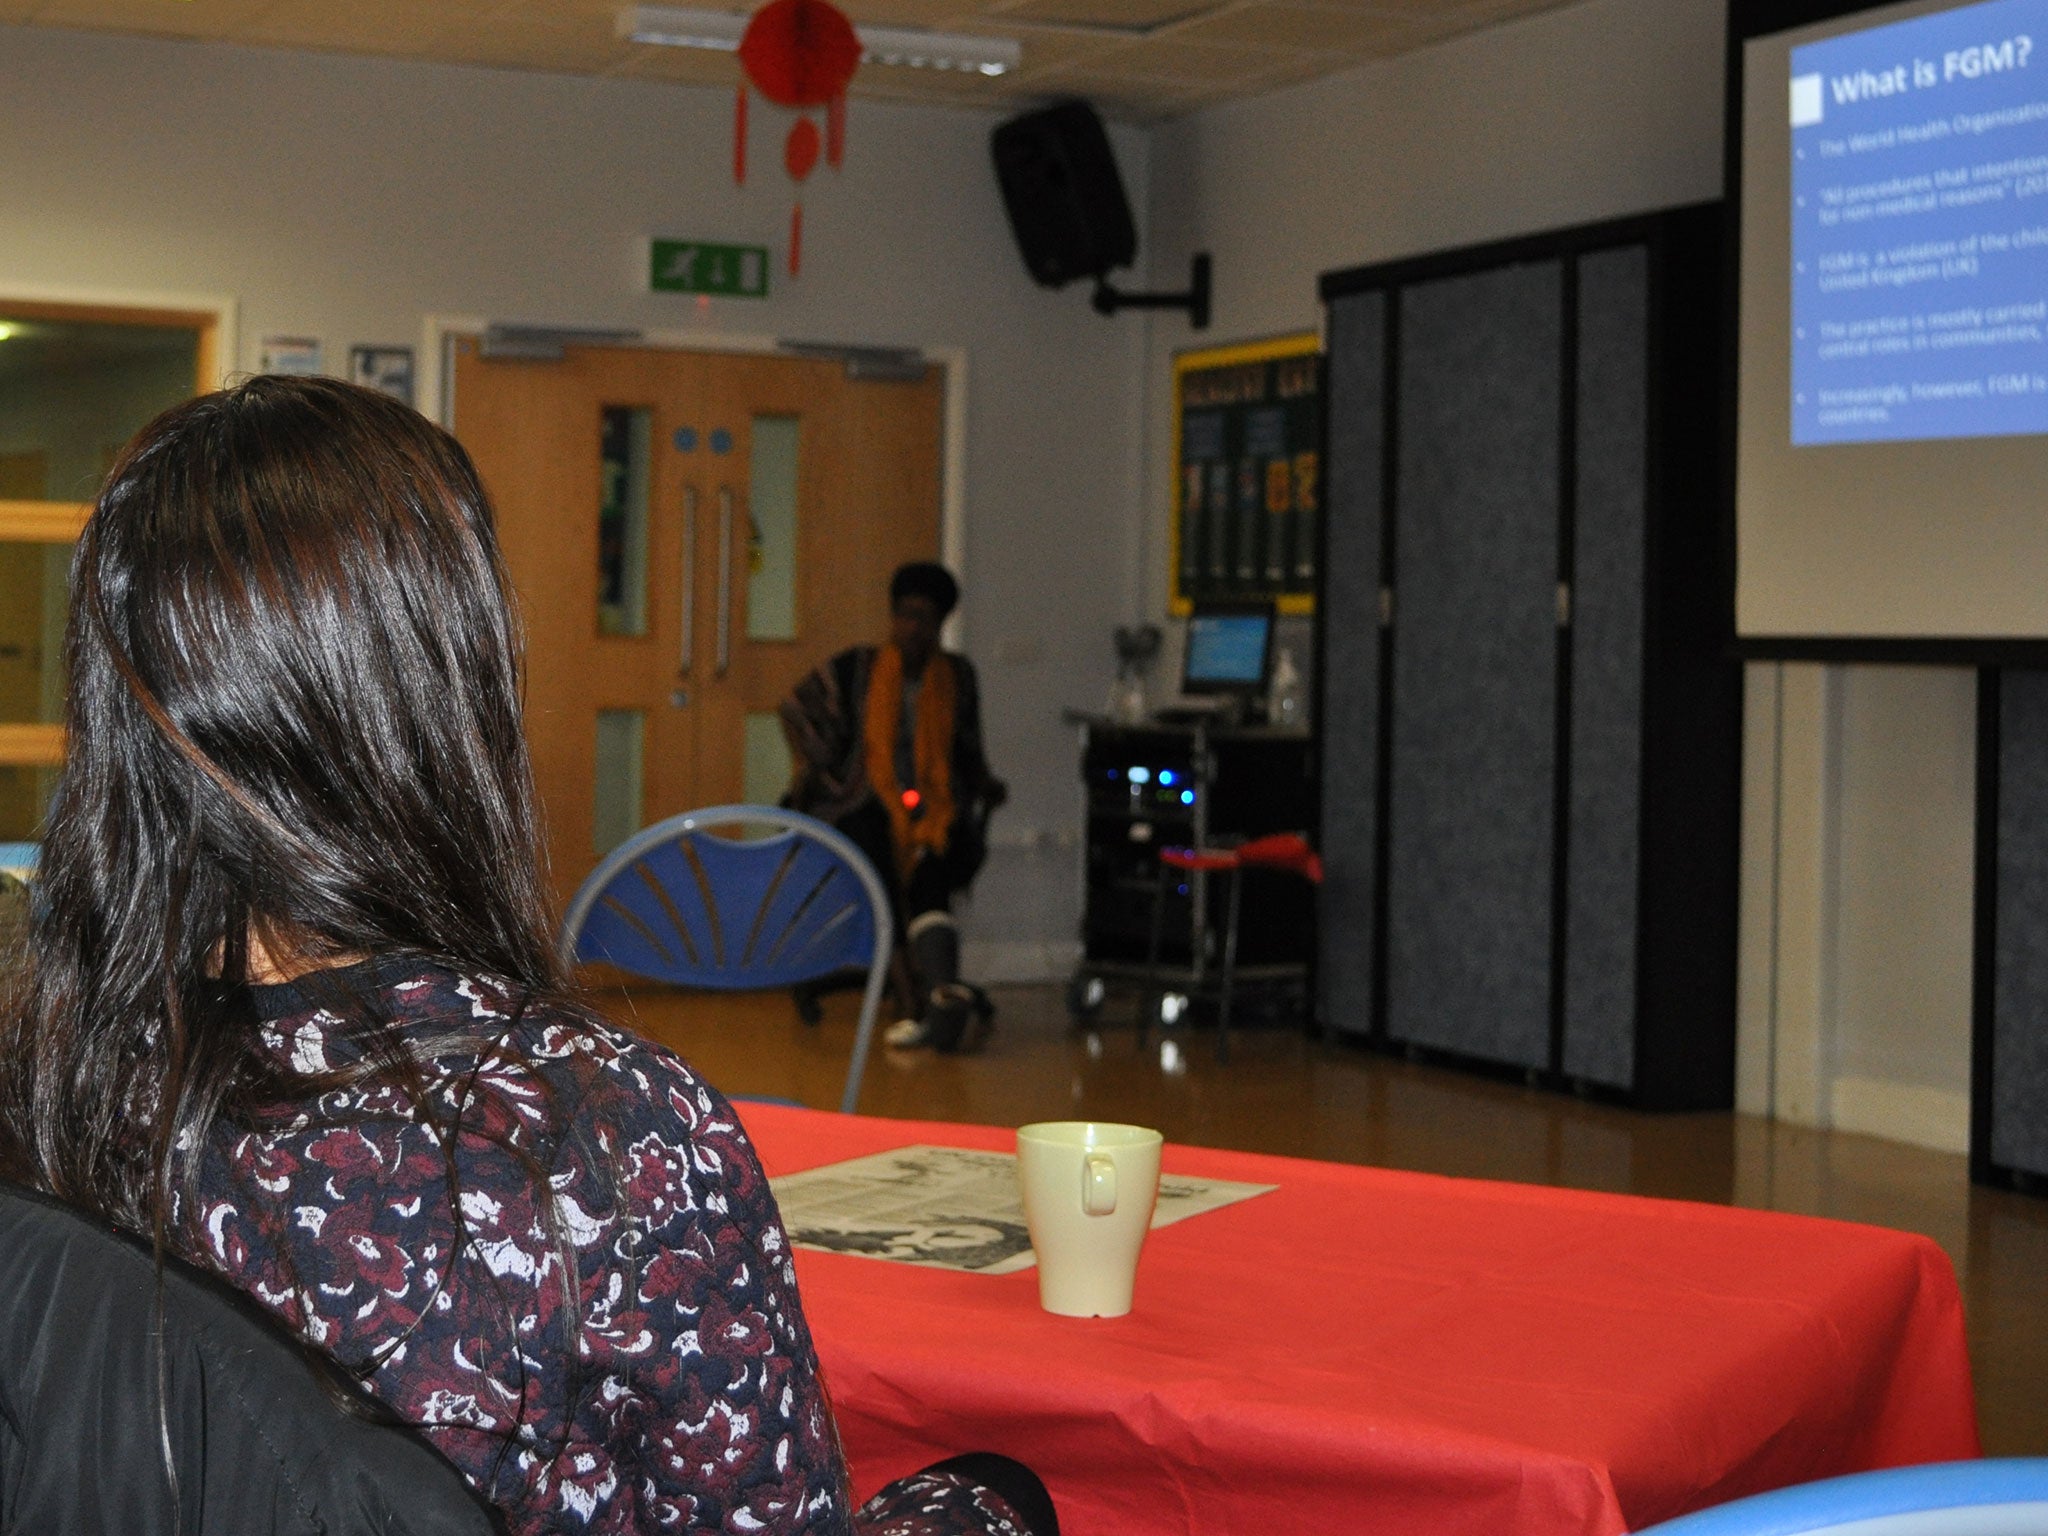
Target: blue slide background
1920,228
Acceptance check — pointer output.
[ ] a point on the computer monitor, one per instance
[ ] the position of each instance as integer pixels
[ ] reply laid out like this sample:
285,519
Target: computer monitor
1229,650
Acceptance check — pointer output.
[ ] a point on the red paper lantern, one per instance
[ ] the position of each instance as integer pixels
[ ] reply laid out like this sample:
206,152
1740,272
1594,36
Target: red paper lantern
799,54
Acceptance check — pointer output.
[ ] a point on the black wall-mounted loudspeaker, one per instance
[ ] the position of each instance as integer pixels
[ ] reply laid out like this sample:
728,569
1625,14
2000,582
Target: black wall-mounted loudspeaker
1065,200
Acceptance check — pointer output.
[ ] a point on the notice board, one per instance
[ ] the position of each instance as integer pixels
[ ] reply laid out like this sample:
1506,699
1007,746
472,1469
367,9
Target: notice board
1247,498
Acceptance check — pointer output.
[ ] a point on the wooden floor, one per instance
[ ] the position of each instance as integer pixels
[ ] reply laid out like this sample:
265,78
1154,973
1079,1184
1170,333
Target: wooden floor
1282,1092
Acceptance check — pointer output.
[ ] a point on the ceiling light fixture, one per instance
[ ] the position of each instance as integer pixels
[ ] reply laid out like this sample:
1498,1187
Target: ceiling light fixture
911,47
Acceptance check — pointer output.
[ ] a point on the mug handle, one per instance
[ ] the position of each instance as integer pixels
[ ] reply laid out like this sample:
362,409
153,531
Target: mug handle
1098,1184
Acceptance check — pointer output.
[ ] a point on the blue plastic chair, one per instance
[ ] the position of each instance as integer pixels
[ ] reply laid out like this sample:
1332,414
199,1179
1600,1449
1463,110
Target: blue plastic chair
678,903
2001,1497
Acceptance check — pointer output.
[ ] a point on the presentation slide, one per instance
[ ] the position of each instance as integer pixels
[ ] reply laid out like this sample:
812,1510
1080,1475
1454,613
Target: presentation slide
1891,462
1920,228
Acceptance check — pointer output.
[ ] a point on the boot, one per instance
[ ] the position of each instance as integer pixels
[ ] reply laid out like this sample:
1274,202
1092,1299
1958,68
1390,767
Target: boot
934,950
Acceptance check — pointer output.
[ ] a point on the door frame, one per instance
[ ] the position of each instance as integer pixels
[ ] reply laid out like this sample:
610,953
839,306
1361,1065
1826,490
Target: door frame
60,522
440,332
225,309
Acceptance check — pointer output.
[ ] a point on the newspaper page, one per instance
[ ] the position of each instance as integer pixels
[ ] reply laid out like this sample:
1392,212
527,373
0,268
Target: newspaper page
947,1207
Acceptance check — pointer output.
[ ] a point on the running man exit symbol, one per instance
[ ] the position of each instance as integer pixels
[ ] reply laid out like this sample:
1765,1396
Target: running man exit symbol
699,266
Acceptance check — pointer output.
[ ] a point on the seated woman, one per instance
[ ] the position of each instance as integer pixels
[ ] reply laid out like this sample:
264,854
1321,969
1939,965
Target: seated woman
291,1010
887,745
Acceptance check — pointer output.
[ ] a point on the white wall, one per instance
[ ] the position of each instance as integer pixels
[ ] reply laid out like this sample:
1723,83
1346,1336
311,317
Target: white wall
1589,112
347,198
1857,907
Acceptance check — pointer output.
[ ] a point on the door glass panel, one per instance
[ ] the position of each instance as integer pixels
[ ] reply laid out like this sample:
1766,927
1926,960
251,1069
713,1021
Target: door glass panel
74,391
625,434
34,588
765,772
621,742
24,797
771,504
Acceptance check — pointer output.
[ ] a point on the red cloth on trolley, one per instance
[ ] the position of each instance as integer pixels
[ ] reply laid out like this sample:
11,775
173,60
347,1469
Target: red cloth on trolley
1402,1353
1277,850
1199,858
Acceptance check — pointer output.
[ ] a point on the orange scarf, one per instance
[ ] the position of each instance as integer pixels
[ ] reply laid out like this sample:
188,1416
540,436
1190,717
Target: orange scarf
931,754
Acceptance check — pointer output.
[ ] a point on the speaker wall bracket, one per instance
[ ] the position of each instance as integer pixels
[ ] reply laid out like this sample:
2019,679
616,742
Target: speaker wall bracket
1108,300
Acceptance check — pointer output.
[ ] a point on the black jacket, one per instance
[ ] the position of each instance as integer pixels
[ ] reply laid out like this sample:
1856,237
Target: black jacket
823,722
257,1444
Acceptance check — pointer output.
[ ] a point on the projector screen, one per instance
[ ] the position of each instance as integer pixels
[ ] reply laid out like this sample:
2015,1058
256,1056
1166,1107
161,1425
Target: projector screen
1891,476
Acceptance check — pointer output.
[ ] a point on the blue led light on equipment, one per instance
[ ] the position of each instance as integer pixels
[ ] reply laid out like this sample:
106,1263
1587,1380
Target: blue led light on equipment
1187,797
1138,775
1166,777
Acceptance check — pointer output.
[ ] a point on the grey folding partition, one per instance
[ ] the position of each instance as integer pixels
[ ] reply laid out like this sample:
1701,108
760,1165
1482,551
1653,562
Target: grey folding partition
1602,848
1472,718
1529,734
1349,712
2009,1098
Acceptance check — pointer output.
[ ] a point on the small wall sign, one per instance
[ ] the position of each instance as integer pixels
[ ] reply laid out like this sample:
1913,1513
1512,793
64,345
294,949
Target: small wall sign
296,355
699,266
383,368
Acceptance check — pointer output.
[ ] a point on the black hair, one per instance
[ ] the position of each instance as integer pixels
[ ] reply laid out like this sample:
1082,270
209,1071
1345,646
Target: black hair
928,580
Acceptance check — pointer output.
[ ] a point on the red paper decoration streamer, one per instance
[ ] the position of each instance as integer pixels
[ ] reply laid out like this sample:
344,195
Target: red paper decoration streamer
800,150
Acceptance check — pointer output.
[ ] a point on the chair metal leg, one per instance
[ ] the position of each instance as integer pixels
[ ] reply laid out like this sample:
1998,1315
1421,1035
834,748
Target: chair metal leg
1154,993
1229,963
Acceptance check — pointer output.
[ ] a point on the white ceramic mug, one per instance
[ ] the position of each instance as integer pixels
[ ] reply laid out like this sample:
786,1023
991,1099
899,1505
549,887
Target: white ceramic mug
1089,1188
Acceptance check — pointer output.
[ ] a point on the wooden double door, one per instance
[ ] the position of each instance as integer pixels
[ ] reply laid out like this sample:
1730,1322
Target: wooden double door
687,534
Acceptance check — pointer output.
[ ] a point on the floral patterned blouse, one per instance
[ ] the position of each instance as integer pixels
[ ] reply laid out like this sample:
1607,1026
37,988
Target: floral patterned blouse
669,1384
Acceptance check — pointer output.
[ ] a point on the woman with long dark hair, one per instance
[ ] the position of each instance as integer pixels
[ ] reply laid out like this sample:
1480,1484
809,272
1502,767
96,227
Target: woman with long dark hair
289,1007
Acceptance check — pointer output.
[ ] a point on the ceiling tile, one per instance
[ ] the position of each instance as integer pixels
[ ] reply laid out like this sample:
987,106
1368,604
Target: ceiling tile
939,15
941,87
1125,97
1488,12
685,66
169,18
587,47
1134,15
1041,48
1167,58
1326,28
1442,23
1454,14
379,26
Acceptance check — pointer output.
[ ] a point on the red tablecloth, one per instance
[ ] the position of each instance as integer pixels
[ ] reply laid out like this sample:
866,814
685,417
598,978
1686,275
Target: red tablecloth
1363,1350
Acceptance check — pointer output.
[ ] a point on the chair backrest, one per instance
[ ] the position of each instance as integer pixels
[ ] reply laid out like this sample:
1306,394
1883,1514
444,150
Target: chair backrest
91,1397
680,903
1998,1497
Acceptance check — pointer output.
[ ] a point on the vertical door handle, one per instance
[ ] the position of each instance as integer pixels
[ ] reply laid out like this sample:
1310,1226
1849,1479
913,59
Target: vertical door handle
686,649
724,578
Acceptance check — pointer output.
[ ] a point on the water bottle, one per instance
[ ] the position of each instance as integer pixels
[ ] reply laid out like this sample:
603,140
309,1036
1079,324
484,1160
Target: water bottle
1287,705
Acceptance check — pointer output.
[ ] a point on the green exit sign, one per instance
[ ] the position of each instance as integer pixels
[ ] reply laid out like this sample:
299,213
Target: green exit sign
698,266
